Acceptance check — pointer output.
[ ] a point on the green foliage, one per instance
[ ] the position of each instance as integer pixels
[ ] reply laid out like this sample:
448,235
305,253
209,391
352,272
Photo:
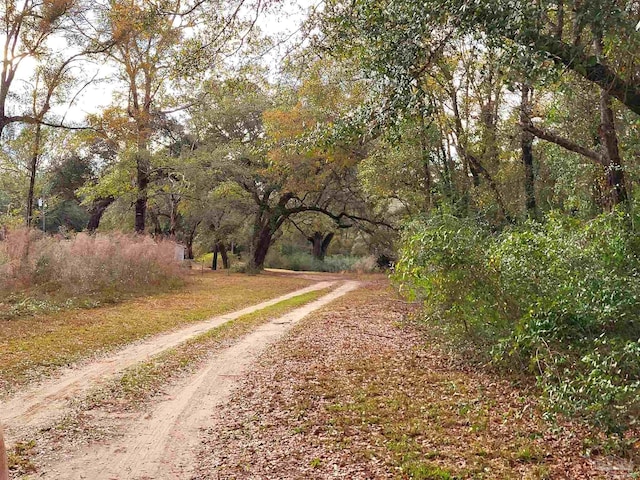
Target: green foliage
297,258
443,263
579,277
393,39
560,299
66,215
303,261
426,471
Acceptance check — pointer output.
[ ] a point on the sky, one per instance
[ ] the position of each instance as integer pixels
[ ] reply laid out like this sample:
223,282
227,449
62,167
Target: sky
282,21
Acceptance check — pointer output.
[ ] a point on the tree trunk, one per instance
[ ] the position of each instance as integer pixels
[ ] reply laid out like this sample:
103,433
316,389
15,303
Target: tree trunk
214,259
617,191
174,200
446,173
261,244
316,245
526,142
142,172
222,248
190,239
33,170
560,20
157,228
475,173
425,163
141,211
97,209
320,244
4,468
609,139
491,182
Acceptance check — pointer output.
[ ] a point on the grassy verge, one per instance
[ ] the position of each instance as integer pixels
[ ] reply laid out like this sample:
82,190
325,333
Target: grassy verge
33,347
141,382
37,302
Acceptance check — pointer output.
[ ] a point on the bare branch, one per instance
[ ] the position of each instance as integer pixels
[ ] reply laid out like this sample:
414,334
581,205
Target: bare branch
565,143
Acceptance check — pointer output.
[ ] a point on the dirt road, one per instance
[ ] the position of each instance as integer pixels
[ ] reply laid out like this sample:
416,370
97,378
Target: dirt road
40,406
162,444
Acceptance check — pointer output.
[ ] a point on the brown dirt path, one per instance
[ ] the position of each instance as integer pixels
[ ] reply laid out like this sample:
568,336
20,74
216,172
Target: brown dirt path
40,406
163,443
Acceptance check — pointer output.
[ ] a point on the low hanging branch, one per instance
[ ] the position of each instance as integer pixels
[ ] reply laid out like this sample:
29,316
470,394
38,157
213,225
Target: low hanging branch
339,217
589,67
565,143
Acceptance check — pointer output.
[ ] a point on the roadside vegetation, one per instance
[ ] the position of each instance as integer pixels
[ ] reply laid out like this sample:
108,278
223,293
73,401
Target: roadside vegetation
488,150
558,299
304,261
42,274
518,168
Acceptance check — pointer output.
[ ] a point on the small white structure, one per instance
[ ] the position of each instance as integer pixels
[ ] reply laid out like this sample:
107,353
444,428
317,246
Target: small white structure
180,252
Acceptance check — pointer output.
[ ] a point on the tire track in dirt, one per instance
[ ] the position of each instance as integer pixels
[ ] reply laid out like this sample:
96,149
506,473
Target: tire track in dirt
40,406
163,443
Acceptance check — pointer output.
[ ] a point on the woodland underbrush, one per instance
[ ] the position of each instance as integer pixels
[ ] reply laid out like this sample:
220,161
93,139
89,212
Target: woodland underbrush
304,261
558,299
40,272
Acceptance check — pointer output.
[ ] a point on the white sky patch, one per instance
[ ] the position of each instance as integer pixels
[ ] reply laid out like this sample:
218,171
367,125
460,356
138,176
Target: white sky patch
282,22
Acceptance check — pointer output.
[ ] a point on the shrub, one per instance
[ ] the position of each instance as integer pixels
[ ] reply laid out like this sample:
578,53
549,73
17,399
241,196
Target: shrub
443,264
84,265
366,265
560,299
303,261
578,288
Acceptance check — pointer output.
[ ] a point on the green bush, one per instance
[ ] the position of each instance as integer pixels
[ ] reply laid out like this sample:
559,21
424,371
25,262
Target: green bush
443,263
303,261
560,299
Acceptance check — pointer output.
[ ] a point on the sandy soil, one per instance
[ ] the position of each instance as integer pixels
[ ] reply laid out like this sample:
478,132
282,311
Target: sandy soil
40,406
162,443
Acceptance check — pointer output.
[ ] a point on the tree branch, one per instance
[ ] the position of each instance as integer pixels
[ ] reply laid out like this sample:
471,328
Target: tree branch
338,218
590,67
562,142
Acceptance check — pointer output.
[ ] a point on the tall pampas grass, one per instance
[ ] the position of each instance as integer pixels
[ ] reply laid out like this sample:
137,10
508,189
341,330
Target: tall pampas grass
85,264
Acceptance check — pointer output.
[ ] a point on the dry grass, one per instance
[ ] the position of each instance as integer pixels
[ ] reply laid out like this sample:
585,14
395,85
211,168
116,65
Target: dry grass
356,393
31,347
41,273
19,459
